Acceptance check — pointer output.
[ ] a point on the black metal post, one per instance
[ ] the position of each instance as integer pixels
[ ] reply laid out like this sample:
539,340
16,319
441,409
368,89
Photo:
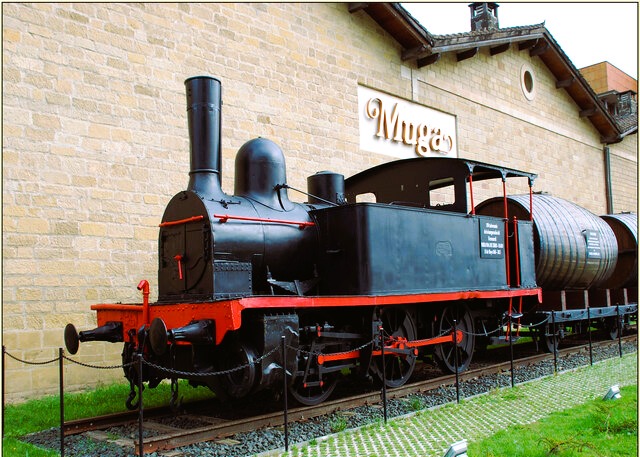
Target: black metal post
589,331
511,349
61,370
455,358
286,406
554,342
618,323
4,350
140,407
384,375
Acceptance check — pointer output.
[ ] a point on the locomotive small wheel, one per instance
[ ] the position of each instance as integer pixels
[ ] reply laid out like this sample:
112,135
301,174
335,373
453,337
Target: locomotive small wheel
396,322
311,396
446,353
241,359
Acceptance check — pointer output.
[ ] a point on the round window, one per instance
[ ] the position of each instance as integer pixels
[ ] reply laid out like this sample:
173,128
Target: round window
528,82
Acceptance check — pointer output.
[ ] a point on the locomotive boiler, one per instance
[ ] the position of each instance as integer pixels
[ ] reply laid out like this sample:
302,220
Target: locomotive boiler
411,275
204,254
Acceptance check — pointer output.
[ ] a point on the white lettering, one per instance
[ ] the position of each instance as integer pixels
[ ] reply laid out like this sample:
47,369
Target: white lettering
393,125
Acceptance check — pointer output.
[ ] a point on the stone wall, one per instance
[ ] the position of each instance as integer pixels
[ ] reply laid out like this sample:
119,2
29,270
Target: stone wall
624,174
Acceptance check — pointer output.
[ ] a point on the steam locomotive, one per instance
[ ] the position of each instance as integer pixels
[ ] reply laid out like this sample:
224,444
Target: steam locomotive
237,273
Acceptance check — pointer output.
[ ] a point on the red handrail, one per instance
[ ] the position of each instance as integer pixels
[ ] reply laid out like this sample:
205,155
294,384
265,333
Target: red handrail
182,221
473,208
301,224
516,242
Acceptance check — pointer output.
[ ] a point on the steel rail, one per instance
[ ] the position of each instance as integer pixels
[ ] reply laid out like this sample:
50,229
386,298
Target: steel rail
77,426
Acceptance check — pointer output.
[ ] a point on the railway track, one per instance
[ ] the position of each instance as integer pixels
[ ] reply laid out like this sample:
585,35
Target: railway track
201,427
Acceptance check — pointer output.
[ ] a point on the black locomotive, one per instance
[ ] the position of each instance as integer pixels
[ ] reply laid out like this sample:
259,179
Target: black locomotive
422,262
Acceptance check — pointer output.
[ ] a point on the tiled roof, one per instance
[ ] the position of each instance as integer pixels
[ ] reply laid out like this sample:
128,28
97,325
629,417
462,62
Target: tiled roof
628,124
489,34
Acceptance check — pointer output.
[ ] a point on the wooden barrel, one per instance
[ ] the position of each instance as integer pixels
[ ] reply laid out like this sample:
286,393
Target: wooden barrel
574,248
625,228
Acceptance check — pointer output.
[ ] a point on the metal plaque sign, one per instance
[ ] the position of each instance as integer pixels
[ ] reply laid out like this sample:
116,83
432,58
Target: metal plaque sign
491,239
594,249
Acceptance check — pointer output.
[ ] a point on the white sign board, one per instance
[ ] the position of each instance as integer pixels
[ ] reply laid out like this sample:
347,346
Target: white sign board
399,128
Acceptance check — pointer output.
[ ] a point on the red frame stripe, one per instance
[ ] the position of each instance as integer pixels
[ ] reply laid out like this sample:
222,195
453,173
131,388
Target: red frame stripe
228,313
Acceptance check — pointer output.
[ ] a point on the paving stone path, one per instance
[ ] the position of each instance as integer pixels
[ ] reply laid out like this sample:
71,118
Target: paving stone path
430,432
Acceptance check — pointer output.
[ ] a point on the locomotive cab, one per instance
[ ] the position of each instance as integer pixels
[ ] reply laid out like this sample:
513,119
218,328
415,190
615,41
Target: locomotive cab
420,212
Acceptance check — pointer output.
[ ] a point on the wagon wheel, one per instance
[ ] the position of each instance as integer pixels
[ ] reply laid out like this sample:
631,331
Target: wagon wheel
446,353
611,328
548,341
396,323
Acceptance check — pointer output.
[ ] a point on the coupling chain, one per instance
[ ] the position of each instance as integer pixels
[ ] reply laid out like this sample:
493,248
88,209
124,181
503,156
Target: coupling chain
485,333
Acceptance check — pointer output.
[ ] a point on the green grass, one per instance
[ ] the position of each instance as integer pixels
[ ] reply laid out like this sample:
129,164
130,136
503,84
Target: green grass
44,413
596,429
338,424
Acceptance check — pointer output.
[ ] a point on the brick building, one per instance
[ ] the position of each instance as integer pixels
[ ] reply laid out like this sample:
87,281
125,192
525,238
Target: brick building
95,139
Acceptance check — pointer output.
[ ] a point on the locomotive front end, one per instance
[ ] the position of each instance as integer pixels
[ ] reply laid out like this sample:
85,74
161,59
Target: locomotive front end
214,246
214,250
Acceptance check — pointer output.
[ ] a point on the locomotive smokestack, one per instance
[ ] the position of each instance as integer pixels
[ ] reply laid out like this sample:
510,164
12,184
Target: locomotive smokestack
204,99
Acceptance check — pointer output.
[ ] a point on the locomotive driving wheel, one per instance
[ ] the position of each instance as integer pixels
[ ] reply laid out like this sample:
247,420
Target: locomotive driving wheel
398,326
449,355
311,395
309,386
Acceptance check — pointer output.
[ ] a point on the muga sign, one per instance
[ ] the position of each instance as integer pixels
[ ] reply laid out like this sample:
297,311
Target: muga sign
399,128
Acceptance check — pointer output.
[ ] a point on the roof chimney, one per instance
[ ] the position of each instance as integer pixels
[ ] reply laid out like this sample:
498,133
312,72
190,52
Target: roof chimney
484,16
